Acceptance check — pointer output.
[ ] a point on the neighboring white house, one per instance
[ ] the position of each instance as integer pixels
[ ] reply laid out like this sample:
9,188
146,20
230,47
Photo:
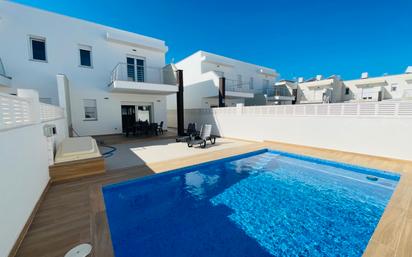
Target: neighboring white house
283,92
109,74
390,87
245,83
320,90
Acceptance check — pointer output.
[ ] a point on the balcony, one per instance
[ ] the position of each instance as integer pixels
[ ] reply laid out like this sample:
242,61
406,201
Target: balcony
239,89
5,81
276,93
143,80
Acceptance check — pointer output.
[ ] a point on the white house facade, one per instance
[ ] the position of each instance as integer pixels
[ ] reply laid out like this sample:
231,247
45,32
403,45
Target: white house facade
390,87
321,90
244,82
98,73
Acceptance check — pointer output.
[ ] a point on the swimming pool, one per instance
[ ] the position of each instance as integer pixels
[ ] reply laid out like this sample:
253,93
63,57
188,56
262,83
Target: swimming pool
264,203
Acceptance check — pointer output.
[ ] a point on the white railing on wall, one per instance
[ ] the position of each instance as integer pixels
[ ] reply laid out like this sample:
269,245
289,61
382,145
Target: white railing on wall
18,111
50,112
15,112
369,109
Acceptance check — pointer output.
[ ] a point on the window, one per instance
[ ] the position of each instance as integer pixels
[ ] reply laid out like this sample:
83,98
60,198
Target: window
265,84
251,83
38,49
85,53
135,69
90,109
239,81
394,87
347,91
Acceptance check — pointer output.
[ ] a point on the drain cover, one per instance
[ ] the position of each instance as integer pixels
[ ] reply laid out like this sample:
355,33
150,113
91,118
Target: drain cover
79,251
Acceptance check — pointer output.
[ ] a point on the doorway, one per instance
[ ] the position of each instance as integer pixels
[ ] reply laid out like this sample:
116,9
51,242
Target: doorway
128,116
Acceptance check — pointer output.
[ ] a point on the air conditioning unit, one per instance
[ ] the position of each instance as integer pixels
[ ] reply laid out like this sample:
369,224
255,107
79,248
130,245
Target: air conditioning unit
319,77
409,70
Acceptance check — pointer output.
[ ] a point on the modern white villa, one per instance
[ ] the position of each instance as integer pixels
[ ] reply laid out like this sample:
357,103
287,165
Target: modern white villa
335,90
107,75
203,72
388,87
321,90
315,167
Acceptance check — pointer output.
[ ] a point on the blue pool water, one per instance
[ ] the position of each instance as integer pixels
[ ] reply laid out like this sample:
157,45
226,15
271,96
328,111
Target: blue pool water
264,203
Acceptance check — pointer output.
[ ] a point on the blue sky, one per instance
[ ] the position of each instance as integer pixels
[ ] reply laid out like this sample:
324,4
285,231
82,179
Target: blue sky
295,37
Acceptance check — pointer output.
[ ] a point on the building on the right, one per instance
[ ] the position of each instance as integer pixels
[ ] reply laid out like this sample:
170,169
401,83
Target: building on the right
388,87
320,90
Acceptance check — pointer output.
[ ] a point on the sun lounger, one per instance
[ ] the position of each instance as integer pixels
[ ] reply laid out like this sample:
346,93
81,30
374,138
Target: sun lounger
203,137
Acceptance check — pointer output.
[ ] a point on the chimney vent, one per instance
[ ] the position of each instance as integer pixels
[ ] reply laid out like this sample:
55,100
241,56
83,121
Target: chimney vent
409,70
364,75
319,77
300,80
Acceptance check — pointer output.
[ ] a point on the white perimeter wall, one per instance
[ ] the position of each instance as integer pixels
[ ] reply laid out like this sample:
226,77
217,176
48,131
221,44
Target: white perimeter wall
386,136
24,160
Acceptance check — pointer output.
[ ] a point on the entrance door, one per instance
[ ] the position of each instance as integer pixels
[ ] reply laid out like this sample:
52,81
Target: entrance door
128,116
135,69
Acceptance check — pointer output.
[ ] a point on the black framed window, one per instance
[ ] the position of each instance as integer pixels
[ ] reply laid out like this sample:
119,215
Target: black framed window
85,58
38,49
85,55
347,91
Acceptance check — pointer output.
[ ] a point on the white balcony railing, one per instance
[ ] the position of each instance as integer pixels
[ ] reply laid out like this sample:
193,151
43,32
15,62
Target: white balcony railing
143,74
277,91
238,86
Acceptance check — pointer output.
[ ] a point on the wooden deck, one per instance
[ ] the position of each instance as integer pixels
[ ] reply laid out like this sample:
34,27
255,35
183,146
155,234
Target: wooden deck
74,212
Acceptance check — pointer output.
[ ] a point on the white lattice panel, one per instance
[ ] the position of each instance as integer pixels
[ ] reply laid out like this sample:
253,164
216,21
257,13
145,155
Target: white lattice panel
50,112
14,111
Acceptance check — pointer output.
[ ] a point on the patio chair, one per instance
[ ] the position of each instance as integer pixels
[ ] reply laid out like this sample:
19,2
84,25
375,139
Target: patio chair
203,137
160,128
190,132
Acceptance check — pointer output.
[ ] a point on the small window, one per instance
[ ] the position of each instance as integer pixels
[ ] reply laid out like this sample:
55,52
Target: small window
38,49
85,53
90,109
265,84
251,83
347,91
394,87
239,80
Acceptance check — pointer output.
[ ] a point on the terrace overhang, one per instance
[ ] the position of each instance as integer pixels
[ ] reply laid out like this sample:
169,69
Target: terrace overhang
267,72
216,61
137,41
326,83
372,82
133,87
